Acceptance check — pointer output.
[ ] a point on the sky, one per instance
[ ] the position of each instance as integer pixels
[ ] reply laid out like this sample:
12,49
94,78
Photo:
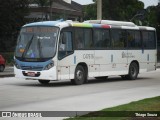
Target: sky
146,2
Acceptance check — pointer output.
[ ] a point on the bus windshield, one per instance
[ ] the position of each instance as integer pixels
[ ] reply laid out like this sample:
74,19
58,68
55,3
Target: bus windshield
36,43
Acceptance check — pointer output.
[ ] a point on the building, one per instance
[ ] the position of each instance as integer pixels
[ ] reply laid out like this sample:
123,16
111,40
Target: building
59,9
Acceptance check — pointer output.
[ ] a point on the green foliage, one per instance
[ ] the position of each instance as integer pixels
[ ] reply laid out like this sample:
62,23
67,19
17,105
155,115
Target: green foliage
150,104
12,15
151,18
122,10
90,12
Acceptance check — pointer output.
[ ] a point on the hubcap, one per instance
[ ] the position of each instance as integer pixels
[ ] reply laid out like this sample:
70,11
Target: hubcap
79,75
133,71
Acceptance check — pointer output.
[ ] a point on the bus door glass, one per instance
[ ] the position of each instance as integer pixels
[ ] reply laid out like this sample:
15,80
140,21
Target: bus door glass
65,49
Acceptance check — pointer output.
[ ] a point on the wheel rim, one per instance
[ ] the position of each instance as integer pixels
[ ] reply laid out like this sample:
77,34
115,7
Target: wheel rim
79,75
133,71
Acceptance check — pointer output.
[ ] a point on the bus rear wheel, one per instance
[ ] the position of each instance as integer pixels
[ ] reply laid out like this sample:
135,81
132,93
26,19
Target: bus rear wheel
80,75
44,82
133,71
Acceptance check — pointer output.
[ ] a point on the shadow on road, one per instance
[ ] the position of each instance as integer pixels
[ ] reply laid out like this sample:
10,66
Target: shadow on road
69,84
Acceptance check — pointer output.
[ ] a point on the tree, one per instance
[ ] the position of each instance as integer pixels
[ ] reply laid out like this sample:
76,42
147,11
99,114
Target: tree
122,10
12,15
90,12
151,17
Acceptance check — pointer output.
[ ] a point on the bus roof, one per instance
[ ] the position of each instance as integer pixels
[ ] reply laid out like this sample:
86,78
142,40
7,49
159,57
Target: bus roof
43,23
111,22
91,24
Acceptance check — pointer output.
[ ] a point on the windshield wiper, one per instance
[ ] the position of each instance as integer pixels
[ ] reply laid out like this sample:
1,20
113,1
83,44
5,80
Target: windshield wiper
40,48
27,46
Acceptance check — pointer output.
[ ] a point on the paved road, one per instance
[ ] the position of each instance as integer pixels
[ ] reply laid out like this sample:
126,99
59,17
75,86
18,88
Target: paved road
18,94
8,72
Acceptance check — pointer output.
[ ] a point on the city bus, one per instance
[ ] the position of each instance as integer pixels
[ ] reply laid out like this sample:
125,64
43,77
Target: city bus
66,50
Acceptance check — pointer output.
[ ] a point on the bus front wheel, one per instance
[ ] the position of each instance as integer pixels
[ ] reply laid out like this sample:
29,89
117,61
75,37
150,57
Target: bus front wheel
80,75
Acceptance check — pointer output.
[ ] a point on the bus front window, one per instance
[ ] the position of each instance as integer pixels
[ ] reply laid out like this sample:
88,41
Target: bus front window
36,43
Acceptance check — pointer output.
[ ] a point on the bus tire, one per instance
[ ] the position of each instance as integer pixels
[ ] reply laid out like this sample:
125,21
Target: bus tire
79,76
44,82
133,71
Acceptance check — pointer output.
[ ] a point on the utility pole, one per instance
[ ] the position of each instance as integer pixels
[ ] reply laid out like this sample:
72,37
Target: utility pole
99,9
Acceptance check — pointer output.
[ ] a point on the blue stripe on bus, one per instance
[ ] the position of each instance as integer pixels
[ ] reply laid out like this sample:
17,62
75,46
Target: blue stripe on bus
41,65
97,25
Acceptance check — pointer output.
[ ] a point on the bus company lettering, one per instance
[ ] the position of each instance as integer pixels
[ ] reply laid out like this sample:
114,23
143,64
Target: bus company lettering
127,55
88,56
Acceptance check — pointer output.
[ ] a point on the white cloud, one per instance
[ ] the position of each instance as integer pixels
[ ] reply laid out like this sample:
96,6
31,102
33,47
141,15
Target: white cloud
150,2
146,2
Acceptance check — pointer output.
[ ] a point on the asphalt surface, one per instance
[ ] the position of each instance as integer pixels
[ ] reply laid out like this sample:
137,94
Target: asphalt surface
23,95
8,72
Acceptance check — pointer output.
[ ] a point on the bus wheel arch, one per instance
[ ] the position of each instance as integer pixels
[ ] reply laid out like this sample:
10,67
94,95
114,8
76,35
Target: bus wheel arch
133,70
80,74
136,63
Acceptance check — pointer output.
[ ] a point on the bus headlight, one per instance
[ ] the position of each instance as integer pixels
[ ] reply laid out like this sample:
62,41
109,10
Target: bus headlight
49,66
17,65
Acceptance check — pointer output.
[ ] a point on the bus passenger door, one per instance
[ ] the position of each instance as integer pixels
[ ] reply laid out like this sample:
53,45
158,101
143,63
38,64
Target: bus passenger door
65,49
119,55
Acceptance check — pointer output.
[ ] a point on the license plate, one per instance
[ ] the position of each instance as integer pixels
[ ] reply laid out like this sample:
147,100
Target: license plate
32,74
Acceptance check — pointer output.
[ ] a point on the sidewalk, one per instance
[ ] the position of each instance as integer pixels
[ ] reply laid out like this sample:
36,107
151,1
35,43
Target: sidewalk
8,72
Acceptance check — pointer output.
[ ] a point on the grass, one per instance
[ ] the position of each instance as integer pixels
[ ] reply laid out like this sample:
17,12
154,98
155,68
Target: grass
127,111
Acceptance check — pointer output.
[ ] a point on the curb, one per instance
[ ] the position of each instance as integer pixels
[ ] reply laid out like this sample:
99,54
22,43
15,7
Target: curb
8,75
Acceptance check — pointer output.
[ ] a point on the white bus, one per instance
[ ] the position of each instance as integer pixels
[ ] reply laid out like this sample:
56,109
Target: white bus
65,50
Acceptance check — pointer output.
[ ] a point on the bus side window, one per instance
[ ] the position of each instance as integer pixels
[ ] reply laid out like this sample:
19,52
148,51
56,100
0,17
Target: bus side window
62,44
101,38
119,40
79,38
149,40
152,40
65,45
83,38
